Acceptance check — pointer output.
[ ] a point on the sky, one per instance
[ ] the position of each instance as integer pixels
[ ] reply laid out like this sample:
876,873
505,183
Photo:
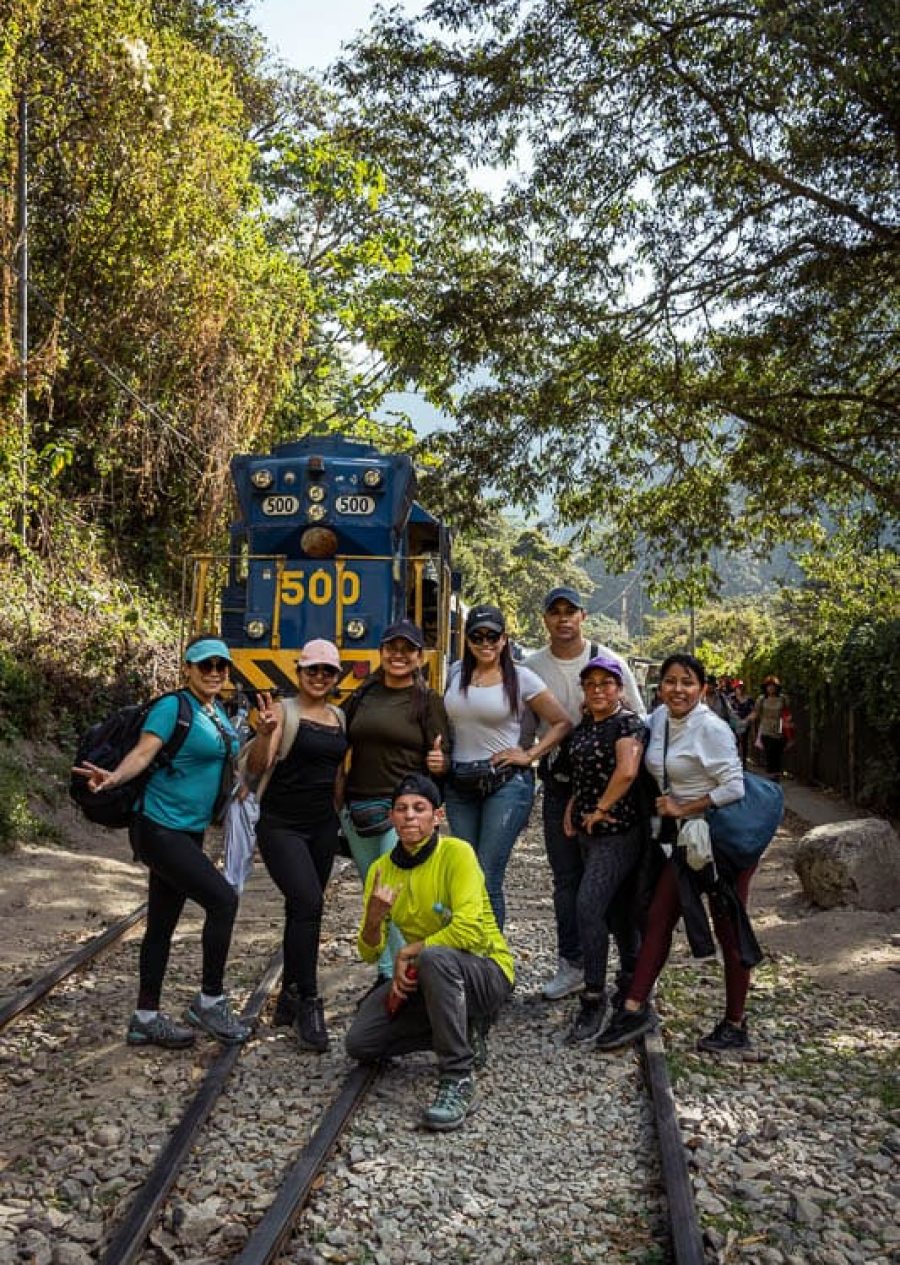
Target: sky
308,33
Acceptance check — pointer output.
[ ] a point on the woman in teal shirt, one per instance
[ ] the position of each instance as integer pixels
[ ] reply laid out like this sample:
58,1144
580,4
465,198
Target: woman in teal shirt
167,836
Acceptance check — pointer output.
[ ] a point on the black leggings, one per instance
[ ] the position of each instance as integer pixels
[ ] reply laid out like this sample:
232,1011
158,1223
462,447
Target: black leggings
604,905
180,871
299,859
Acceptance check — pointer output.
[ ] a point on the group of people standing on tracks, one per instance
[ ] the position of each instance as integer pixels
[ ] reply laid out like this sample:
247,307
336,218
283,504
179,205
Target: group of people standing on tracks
387,769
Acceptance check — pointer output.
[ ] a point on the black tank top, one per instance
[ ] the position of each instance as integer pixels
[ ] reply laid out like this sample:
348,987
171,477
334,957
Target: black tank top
301,788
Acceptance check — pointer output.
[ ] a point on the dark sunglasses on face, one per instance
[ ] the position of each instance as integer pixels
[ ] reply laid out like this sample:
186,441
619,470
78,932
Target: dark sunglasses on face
212,665
319,669
485,637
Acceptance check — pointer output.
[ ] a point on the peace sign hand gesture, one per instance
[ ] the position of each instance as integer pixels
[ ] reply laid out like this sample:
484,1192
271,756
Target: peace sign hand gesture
266,716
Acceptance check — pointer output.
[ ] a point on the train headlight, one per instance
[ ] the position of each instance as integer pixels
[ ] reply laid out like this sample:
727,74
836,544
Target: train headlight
316,492
319,542
316,513
256,628
373,478
356,629
290,478
262,478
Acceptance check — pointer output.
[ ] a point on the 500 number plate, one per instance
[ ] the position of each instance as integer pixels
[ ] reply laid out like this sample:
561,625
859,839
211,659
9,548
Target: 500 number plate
353,504
280,505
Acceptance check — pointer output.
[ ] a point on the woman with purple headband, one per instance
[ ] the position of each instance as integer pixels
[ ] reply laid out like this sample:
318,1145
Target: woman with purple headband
608,821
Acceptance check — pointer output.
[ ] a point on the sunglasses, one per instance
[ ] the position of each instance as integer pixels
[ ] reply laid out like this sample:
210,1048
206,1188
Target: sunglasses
319,669
485,637
212,665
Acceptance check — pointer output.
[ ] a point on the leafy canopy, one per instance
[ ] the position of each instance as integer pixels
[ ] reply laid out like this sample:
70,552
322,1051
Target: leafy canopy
678,309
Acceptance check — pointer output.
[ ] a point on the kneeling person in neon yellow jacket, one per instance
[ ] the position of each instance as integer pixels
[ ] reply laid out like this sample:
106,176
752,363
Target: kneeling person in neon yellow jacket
455,970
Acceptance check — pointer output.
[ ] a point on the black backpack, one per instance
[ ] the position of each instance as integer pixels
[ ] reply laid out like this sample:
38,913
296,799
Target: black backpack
107,743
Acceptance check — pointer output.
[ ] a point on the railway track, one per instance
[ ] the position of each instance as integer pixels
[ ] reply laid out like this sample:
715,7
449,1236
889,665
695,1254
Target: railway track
283,1155
86,953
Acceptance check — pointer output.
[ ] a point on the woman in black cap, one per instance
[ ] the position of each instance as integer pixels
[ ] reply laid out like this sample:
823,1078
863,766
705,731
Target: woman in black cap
396,725
491,784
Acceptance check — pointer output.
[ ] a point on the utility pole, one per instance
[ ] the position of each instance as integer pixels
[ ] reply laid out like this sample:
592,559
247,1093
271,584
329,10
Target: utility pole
22,201
693,633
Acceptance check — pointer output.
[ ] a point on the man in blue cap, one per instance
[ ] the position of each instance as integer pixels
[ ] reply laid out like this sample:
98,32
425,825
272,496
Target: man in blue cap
559,664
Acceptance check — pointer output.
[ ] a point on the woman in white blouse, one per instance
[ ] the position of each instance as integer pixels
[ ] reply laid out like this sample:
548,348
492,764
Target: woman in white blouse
693,758
490,787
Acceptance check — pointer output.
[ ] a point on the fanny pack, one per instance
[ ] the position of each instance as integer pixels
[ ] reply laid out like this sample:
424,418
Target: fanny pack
370,817
479,778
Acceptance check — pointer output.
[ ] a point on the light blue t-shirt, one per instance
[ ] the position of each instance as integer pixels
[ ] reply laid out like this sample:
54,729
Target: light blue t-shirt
183,795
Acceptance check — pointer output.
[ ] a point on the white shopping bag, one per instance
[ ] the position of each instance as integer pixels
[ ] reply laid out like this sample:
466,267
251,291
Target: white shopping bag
239,825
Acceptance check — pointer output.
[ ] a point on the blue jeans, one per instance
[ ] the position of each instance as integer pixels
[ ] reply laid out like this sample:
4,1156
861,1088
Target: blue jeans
364,851
567,868
492,826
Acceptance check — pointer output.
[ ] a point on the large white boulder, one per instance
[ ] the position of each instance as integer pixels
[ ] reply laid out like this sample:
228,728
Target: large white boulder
851,863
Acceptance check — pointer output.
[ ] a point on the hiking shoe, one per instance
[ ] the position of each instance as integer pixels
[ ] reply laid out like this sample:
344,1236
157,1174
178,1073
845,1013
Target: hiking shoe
453,1102
285,1011
218,1020
589,1020
477,1033
569,978
160,1030
625,1027
310,1024
725,1038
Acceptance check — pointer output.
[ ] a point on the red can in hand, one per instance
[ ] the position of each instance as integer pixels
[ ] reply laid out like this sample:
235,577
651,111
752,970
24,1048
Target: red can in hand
395,1000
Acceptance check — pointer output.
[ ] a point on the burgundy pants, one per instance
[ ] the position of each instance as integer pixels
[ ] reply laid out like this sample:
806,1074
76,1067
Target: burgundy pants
665,910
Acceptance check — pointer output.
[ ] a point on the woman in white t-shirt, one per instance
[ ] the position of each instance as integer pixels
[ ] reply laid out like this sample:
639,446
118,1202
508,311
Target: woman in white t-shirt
490,787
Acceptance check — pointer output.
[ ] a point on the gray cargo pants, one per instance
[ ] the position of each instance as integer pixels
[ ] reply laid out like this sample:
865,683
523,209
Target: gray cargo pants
454,987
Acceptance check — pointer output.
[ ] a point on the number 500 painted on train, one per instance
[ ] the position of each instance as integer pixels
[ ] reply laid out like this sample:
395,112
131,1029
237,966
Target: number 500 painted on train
329,542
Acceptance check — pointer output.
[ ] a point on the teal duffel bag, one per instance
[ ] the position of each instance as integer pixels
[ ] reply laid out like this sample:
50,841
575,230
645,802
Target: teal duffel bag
743,829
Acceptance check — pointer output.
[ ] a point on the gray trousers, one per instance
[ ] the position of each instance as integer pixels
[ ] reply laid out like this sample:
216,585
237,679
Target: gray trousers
454,987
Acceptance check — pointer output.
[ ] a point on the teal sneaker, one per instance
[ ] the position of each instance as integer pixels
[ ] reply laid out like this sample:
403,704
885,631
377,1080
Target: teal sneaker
218,1020
160,1030
453,1102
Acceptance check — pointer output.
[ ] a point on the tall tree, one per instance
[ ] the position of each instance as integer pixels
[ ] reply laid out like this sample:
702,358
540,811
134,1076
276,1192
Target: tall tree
678,311
163,322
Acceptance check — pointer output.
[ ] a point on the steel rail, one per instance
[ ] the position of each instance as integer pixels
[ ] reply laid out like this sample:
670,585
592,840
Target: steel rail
267,1240
129,1239
85,953
687,1239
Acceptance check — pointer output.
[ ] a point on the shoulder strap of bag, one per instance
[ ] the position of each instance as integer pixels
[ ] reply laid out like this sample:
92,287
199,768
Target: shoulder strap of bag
291,723
340,714
665,784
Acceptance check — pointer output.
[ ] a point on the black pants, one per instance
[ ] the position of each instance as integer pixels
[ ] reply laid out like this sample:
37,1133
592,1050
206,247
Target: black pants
605,904
180,871
299,859
774,749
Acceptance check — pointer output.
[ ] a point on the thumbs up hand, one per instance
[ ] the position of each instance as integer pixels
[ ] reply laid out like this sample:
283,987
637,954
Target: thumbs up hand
436,761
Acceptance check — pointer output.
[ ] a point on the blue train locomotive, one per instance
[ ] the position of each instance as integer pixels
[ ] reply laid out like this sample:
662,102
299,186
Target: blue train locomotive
329,542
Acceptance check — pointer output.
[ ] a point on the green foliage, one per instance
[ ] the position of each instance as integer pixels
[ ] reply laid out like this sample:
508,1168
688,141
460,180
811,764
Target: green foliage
677,308
147,248
513,567
867,672
19,823
726,634
76,640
